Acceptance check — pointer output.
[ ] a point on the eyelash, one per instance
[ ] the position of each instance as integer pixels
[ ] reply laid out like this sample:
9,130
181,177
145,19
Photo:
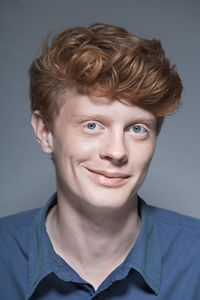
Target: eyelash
144,130
89,123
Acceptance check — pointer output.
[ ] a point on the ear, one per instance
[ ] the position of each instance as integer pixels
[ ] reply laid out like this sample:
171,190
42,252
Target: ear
42,133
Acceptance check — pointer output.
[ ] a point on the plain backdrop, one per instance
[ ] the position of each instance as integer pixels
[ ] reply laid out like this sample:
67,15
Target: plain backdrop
27,176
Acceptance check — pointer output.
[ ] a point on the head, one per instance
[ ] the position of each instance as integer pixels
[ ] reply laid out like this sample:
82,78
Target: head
99,96
104,60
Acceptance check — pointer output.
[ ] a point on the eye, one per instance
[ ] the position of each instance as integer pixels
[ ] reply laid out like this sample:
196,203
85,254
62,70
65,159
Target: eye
92,126
138,129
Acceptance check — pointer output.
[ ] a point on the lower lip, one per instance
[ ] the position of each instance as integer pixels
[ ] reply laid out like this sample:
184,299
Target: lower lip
107,181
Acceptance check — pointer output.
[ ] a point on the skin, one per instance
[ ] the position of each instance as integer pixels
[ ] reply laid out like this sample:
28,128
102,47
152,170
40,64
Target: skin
101,149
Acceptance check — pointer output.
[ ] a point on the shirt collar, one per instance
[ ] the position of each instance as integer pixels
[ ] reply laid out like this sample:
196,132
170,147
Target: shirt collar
144,257
39,258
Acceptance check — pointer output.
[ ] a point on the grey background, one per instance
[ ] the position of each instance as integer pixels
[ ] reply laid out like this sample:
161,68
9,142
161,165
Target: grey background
26,174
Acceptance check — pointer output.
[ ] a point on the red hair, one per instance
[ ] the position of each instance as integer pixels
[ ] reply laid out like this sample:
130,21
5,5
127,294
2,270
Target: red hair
106,61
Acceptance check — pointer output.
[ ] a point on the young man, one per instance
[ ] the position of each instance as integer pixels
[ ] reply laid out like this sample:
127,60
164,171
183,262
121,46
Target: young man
99,96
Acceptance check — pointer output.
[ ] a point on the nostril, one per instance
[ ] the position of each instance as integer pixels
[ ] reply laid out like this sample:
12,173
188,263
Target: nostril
116,160
115,148
123,160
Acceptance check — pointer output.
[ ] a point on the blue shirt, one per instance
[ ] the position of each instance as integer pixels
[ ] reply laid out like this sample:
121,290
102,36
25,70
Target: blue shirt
163,264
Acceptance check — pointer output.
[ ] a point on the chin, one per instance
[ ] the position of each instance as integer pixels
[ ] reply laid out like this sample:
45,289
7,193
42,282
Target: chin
111,199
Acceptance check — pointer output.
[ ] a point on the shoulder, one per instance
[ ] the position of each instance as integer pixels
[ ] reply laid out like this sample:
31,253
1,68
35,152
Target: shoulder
179,235
174,219
179,245
15,233
18,220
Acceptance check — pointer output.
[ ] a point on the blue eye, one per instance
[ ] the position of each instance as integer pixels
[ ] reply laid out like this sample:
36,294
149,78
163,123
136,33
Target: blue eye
92,126
138,129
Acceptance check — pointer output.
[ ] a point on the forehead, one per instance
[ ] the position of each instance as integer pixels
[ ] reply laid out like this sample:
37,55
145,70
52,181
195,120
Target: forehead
77,105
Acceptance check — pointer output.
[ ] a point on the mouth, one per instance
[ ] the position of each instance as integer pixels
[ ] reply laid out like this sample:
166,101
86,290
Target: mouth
108,179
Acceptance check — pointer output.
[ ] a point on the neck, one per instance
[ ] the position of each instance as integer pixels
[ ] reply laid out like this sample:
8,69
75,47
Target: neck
91,236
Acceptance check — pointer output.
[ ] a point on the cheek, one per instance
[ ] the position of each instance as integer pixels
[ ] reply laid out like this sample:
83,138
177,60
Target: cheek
75,148
143,156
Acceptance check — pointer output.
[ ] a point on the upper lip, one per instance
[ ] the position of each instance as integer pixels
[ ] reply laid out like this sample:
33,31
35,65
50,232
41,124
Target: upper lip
109,174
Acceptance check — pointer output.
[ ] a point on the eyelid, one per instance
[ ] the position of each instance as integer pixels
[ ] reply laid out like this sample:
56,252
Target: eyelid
99,126
91,121
146,129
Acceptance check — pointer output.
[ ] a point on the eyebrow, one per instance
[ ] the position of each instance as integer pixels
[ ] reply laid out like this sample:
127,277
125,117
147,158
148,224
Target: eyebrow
150,121
89,116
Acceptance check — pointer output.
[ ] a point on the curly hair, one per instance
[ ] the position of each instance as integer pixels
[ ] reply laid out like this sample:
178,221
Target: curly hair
108,61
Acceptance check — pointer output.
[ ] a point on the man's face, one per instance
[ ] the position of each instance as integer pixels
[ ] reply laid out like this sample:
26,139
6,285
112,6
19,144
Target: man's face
102,149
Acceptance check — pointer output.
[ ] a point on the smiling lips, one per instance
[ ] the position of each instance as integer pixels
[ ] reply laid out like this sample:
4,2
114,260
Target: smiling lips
109,179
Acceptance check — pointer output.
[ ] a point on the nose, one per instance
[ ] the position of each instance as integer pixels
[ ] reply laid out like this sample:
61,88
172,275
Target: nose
114,149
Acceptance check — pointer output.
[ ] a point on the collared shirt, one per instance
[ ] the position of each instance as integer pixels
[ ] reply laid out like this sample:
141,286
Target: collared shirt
163,264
